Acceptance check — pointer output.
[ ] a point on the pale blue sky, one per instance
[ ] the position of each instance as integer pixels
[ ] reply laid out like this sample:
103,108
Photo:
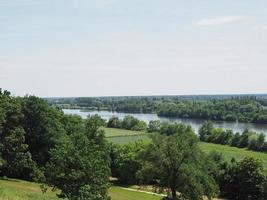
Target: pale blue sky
137,47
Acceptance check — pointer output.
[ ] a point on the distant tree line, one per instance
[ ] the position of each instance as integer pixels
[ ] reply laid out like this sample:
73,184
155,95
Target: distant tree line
239,108
242,110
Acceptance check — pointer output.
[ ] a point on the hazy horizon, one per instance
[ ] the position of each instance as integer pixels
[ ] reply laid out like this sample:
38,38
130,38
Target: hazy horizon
133,48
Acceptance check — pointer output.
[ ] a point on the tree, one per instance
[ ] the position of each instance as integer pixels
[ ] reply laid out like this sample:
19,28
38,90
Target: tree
125,163
15,157
154,126
245,180
43,128
79,165
244,139
176,162
205,130
236,140
129,122
140,126
114,122
93,123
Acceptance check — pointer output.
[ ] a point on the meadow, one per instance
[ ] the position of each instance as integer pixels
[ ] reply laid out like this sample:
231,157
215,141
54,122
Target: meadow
12,189
120,136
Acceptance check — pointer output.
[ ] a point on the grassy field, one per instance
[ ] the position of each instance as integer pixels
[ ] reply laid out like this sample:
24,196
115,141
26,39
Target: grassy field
232,152
120,136
118,193
11,189
115,132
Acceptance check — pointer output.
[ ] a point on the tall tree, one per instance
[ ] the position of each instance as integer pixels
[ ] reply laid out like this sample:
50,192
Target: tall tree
79,166
176,162
43,128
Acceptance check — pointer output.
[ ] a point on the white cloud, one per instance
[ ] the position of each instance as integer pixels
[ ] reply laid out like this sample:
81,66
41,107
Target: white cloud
219,20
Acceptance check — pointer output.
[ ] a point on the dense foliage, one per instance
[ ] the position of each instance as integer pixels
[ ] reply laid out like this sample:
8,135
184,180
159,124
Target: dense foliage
246,179
176,162
79,165
125,163
128,123
39,142
248,139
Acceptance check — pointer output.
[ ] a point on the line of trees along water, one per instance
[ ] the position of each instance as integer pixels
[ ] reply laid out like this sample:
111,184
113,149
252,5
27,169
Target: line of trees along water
207,133
236,108
40,143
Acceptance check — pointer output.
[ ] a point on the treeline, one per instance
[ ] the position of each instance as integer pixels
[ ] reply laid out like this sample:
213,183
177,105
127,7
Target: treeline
239,108
128,123
173,163
40,143
246,109
207,133
247,139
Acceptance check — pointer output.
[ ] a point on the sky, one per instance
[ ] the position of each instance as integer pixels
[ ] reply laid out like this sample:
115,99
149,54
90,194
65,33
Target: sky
68,48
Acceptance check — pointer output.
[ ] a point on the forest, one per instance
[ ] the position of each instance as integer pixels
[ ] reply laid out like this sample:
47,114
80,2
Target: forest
40,143
240,108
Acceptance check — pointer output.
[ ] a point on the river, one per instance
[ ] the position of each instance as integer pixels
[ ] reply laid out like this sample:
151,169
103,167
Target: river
195,123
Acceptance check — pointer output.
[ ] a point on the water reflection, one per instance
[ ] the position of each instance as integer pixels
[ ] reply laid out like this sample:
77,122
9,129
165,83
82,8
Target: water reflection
195,123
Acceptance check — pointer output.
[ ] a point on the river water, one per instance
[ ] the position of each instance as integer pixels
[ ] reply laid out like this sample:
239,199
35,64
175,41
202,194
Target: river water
195,123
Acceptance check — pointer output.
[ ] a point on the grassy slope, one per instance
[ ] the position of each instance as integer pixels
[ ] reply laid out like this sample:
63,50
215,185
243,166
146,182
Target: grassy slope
126,136
11,189
232,152
118,193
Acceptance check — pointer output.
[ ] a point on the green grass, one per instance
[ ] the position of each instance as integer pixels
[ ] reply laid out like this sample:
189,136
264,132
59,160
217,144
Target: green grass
12,189
128,139
118,193
115,132
120,136
229,152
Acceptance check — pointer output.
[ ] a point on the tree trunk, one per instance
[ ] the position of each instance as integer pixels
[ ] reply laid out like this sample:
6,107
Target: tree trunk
174,197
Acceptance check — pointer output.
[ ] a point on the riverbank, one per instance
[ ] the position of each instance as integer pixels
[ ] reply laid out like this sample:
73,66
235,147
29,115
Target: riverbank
120,136
195,123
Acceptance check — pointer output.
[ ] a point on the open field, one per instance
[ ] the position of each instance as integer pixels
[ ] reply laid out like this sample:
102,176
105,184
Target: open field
11,189
121,136
116,132
229,152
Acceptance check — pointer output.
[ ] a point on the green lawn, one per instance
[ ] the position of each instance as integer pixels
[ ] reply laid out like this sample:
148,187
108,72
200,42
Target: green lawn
232,152
120,136
115,132
11,189
118,193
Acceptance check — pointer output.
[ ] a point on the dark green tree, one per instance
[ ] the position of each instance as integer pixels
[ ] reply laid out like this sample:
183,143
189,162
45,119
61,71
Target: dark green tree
245,180
176,162
79,165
